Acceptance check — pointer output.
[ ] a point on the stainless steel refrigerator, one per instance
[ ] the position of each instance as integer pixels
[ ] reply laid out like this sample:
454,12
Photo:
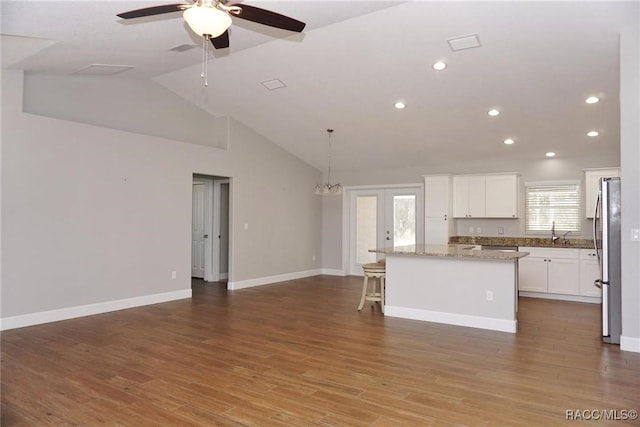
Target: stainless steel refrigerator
607,239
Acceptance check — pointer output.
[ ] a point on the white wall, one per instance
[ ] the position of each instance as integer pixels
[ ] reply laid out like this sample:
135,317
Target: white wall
630,158
92,214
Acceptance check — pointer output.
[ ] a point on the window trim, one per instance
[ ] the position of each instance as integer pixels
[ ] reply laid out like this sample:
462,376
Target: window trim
579,208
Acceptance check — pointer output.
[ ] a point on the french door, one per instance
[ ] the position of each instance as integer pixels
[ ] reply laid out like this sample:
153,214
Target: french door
388,217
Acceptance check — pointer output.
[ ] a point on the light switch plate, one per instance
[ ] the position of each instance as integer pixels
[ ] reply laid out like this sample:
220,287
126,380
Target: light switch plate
635,234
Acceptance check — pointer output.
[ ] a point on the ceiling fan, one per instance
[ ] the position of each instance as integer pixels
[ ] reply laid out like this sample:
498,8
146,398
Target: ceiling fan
211,19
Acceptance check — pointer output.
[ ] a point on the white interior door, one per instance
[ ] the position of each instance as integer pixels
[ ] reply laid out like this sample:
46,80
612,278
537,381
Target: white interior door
198,230
382,218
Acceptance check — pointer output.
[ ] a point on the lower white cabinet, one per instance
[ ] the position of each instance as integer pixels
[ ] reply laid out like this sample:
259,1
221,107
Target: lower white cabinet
550,270
589,272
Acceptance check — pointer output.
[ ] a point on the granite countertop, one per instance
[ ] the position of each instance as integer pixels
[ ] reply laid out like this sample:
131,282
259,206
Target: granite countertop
451,251
541,242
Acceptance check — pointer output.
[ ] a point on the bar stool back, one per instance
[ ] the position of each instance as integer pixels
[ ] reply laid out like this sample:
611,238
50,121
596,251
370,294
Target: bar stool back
376,272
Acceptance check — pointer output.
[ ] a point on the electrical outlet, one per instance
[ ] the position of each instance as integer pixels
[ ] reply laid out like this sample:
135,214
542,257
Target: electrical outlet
500,230
470,230
173,275
489,295
635,235
313,258
478,230
246,225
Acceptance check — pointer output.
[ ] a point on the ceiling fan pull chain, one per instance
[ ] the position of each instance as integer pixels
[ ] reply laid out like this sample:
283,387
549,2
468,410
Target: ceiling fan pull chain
205,43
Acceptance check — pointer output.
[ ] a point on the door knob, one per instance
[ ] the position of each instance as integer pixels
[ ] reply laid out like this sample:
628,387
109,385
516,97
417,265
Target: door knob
206,236
388,238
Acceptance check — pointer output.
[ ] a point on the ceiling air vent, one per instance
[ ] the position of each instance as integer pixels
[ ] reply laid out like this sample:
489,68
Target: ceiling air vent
464,42
273,84
104,69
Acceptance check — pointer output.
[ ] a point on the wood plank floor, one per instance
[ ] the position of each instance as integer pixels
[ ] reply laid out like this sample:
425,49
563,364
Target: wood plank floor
298,353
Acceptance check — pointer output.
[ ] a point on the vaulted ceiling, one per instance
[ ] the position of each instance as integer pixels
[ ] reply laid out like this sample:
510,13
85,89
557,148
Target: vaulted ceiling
537,63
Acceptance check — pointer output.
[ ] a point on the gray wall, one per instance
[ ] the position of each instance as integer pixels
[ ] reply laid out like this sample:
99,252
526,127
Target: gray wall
92,214
142,106
630,157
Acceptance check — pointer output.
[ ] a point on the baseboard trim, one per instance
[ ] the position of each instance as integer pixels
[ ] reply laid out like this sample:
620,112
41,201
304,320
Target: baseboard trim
333,272
501,325
560,297
49,316
630,344
241,284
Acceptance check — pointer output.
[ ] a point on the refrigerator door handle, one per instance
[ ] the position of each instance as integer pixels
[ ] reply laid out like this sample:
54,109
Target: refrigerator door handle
597,283
595,225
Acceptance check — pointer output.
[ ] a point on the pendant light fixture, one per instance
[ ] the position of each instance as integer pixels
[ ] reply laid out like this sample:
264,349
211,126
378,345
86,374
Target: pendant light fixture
329,189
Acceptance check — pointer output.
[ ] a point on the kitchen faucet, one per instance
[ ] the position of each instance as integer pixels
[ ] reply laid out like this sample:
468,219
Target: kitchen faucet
553,233
564,237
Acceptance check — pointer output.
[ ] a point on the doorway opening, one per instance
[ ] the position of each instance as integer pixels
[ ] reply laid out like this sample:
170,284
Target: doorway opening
210,215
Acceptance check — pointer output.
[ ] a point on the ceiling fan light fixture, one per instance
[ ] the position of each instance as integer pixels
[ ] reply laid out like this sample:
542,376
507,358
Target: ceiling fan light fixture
207,20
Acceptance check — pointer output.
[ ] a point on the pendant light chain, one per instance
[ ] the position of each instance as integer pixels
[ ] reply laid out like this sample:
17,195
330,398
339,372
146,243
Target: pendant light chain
330,131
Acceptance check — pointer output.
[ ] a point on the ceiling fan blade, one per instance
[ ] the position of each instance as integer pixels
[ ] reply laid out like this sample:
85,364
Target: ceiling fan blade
155,10
222,41
266,17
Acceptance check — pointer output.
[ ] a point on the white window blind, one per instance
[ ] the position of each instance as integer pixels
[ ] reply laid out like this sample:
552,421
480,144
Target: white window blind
548,203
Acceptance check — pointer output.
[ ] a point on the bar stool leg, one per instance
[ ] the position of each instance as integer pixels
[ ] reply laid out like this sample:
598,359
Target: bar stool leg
364,292
382,289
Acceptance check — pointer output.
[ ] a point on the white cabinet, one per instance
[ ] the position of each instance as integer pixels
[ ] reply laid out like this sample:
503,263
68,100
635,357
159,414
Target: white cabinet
591,186
550,270
589,272
437,208
502,196
469,196
485,196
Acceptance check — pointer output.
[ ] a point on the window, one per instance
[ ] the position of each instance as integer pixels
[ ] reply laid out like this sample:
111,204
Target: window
549,203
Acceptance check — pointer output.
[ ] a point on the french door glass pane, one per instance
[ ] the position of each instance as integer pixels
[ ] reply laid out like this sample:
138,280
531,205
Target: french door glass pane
404,220
366,228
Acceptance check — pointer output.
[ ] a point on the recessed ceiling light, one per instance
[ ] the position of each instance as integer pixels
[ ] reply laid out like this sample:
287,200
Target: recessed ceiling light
399,105
509,141
550,154
592,100
593,133
439,66
493,112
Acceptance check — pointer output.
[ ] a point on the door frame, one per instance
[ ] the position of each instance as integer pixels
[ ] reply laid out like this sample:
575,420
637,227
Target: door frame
346,216
212,225
215,275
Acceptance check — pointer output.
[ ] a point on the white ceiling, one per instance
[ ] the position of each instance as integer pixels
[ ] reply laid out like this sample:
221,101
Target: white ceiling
537,64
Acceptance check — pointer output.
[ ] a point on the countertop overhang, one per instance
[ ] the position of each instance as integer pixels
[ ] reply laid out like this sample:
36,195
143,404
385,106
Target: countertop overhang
451,251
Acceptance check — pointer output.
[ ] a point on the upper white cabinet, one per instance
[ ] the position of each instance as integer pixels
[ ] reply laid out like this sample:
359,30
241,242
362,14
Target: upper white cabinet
485,196
469,196
437,208
502,196
591,186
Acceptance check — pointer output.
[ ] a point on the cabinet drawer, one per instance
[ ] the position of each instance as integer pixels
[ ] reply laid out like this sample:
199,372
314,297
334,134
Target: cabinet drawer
551,252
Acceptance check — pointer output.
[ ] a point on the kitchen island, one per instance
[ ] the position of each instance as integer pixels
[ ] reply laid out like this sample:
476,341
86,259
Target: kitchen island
453,284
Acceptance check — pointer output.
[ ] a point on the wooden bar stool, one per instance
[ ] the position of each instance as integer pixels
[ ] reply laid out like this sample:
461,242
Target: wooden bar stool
376,272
